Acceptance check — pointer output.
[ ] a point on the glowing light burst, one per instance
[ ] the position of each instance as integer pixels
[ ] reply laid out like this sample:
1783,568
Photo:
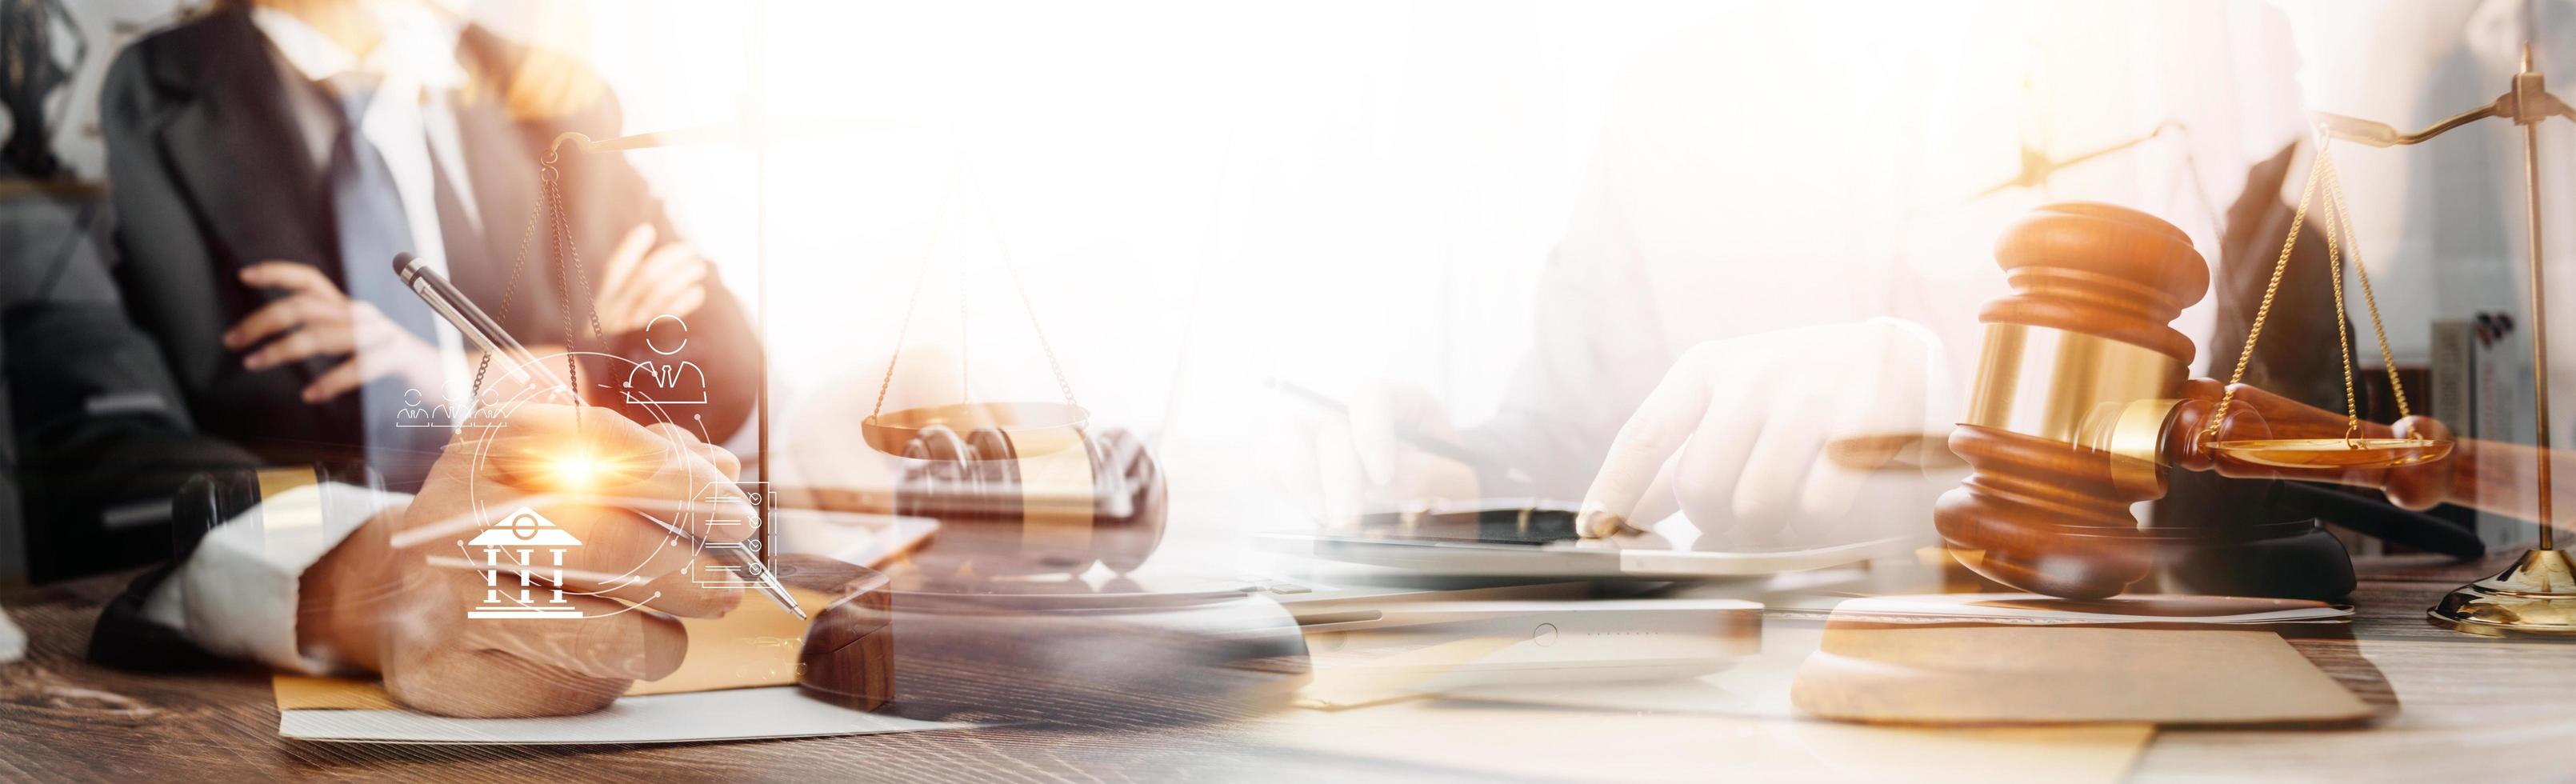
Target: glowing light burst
582,468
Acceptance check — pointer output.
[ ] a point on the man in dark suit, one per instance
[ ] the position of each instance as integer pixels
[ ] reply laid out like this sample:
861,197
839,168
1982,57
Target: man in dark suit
268,159
255,244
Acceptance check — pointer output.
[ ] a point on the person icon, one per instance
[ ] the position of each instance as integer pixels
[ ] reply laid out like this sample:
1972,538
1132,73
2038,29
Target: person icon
458,409
671,383
412,414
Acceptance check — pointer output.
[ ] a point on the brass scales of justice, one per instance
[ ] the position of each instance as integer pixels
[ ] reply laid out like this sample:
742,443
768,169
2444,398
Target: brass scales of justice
2537,595
1022,487
2054,468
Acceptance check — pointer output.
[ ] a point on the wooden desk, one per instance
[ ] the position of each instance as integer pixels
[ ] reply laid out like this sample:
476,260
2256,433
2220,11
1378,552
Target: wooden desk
2459,707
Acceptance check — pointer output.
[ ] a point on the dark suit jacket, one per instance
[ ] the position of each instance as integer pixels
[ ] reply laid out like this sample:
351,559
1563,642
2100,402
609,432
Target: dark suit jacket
211,174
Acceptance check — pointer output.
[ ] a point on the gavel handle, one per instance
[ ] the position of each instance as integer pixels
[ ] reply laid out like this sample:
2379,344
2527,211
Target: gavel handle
2489,476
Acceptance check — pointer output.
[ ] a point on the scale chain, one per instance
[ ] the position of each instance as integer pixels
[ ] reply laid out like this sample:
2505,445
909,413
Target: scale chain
911,303
993,226
550,205
2370,299
2332,225
2298,221
510,292
1027,305
2337,230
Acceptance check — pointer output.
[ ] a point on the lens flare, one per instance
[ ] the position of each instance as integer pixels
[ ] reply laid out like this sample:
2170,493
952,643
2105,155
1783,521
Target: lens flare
571,467
577,469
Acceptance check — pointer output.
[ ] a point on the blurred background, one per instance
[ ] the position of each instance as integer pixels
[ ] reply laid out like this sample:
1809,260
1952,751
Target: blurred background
1207,200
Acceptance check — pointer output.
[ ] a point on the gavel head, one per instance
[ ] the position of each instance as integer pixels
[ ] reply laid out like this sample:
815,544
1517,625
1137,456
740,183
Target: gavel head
2079,370
1023,489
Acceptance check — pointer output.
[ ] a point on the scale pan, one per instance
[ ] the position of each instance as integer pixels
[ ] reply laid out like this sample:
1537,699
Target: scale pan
2334,452
1033,426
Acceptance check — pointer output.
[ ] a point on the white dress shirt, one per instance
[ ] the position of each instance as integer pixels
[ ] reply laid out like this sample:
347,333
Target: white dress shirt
408,120
237,595
13,643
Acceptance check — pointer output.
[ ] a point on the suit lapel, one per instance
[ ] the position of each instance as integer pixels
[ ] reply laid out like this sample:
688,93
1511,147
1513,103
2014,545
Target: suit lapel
243,159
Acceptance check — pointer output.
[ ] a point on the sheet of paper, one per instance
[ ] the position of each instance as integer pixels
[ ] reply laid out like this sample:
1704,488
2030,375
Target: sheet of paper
753,646
1399,676
2028,608
1525,743
2014,674
1755,686
733,714
736,683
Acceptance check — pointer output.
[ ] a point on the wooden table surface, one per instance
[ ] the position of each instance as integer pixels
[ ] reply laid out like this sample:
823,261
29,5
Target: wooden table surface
2455,706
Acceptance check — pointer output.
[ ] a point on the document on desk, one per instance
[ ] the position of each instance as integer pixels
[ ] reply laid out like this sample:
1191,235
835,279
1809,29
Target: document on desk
2027,609
1533,743
736,683
733,714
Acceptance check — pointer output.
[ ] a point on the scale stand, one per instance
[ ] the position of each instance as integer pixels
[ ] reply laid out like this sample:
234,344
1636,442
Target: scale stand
2538,594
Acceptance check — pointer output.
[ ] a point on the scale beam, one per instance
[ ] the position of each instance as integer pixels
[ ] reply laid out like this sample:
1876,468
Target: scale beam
2379,134
2538,594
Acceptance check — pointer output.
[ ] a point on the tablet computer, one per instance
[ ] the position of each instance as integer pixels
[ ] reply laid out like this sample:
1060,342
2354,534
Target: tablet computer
1538,540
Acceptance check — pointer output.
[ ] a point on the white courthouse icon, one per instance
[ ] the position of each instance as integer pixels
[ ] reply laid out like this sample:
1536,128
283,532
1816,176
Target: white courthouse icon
516,554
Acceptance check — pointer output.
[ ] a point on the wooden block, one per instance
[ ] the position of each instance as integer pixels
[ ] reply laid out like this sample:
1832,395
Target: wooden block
849,649
2066,674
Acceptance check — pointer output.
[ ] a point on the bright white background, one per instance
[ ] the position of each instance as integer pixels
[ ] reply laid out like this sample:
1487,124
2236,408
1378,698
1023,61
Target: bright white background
1328,192
1202,196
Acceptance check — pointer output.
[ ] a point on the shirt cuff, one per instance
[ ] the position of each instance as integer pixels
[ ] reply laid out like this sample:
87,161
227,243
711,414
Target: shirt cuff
13,643
237,595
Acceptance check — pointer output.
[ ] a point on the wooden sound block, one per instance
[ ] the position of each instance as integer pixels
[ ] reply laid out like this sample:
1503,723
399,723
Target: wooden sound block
848,657
2020,674
1073,657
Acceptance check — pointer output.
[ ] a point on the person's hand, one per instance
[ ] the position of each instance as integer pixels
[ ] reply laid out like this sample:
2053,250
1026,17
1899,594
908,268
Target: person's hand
642,283
1391,444
316,320
1801,438
1406,447
393,598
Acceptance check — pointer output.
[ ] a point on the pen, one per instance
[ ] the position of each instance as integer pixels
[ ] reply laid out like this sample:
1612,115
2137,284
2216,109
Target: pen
452,305
740,558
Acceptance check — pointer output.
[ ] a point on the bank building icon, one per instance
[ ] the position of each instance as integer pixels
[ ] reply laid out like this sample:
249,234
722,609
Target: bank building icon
519,551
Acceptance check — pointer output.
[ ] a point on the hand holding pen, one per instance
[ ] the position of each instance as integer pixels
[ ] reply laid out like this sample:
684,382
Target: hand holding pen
451,304
560,607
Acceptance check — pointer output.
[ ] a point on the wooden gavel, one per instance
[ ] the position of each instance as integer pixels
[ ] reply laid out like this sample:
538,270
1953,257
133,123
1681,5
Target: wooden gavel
2081,406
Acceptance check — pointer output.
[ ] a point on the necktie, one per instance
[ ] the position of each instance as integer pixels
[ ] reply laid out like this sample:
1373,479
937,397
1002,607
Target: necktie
368,212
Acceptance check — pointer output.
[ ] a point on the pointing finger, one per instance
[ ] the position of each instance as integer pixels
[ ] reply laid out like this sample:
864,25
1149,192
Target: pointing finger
1651,435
